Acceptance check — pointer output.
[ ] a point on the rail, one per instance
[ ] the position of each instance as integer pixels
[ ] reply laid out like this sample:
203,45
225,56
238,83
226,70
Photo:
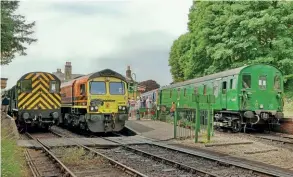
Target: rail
257,170
65,170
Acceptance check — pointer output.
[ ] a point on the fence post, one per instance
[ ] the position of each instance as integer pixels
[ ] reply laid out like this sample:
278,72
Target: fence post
197,120
175,123
209,122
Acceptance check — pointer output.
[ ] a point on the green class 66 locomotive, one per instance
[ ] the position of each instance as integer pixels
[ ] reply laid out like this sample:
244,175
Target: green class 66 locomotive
249,96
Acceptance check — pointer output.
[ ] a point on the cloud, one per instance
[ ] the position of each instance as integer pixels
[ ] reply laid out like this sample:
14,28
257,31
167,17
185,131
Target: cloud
94,35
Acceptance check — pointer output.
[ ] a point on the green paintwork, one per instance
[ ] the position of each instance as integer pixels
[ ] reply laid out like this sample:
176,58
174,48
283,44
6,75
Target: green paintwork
234,97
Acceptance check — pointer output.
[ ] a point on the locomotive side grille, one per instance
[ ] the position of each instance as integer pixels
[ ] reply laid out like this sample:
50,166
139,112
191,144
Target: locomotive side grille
39,98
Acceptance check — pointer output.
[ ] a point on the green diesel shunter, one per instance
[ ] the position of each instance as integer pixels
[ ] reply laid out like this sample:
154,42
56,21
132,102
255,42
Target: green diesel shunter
245,96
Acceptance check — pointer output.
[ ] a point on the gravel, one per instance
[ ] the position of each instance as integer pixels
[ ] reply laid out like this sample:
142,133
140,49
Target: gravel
143,164
196,162
280,155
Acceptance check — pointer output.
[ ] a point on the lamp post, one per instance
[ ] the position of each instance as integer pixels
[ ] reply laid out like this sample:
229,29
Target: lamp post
134,83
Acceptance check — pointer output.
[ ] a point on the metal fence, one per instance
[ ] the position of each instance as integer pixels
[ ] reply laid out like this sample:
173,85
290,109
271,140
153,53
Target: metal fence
191,123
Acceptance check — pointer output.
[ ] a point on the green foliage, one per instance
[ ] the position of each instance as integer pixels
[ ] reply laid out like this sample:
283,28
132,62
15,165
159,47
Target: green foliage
226,35
15,32
12,156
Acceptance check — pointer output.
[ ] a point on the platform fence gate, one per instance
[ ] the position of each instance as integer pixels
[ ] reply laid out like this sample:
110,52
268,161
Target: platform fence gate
191,123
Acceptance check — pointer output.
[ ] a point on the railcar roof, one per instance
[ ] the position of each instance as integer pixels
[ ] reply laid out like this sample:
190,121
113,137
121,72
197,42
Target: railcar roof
102,73
208,77
149,92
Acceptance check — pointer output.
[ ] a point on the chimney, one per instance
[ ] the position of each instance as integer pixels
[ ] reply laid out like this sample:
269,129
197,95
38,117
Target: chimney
58,70
68,71
128,72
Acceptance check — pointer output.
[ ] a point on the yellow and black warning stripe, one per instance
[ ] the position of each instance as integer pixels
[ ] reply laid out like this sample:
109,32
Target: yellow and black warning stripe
39,97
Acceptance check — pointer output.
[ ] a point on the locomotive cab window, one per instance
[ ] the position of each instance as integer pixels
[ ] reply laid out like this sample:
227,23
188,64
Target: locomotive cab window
246,81
117,88
54,87
277,83
26,85
262,82
82,89
97,88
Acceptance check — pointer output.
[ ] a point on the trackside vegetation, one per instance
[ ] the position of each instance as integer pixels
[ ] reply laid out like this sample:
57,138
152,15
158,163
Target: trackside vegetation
13,162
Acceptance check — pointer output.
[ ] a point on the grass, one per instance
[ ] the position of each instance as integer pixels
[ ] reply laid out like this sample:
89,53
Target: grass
13,162
77,156
288,107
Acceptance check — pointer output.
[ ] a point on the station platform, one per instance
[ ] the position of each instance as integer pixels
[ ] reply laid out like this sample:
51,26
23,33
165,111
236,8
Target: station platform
91,142
155,130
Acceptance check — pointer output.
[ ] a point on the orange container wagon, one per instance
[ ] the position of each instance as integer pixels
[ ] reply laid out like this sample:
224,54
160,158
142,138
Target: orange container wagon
96,102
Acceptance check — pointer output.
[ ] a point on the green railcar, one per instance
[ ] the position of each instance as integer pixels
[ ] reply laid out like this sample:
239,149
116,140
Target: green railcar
246,96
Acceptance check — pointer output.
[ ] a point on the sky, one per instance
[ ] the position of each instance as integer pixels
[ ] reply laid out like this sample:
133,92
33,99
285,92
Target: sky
95,35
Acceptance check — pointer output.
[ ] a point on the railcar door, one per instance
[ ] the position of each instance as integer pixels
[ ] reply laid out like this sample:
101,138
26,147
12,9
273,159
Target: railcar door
224,94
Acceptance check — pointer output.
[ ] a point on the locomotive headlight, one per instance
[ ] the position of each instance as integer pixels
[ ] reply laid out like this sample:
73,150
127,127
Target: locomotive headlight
96,107
92,108
25,115
123,108
119,107
261,106
55,115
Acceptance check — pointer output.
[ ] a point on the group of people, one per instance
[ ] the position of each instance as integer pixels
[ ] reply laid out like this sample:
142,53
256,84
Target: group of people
136,105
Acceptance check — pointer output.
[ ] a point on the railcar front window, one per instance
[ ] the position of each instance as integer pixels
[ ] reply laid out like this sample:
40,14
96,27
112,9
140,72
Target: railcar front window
117,88
26,86
277,83
262,82
246,81
54,87
98,88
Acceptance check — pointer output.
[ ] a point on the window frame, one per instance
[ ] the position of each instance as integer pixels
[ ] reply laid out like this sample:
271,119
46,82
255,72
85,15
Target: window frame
262,86
31,86
122,87
250,86
225,87
57,89
279,85
80,87
90,90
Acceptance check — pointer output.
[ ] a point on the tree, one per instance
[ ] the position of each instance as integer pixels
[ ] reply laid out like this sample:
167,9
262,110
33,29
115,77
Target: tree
149,85
225,35
15,32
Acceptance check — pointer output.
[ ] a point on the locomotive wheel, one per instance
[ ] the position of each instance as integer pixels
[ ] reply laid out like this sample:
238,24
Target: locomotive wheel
236,126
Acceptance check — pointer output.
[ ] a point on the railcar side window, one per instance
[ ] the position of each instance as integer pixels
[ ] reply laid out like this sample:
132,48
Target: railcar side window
82,89
171,93
117,88
204,89
178,92
277,83
224,87
184,92
246,81
215,90
54,87
195,90
26,86
231,83
98,88
262,82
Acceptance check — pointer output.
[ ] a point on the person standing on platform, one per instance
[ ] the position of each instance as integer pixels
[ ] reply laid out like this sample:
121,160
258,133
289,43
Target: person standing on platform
172,110
5,103
137,107
132,107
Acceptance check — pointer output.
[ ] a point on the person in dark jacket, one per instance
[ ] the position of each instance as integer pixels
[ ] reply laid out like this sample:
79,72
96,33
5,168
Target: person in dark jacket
5,103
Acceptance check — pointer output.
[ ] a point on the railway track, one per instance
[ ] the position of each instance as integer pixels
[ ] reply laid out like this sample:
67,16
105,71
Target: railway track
54,162
44,163
193,163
